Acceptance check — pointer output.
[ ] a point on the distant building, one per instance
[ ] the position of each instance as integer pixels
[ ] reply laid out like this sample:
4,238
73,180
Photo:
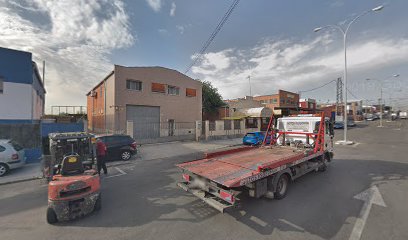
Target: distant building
157,101
22,93
283,103
256,114
307,105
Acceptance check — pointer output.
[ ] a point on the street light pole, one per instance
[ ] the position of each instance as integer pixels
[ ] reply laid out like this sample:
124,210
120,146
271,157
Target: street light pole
380,101
344,32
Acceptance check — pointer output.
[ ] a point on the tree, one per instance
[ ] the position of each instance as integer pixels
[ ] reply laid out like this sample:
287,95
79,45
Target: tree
212,100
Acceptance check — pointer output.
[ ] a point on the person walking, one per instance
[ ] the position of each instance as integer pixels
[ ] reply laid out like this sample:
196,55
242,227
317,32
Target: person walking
101,156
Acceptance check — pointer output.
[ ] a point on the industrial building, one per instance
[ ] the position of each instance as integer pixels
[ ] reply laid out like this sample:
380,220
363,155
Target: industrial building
146,102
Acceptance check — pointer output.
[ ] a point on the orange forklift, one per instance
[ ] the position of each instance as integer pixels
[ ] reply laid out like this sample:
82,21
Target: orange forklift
74,187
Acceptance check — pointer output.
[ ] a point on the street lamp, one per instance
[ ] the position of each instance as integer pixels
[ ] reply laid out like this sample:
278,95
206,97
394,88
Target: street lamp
344,31
380,101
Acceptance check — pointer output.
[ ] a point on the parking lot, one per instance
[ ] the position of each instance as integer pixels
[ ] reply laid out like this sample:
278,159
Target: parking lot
141,200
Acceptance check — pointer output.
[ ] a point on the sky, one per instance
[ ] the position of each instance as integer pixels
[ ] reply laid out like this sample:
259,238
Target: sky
271,41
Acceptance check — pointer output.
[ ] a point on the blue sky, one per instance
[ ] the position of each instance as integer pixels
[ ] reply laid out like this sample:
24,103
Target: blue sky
272,41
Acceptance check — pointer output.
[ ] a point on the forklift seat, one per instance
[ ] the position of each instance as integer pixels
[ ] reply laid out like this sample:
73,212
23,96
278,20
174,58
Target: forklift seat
72,165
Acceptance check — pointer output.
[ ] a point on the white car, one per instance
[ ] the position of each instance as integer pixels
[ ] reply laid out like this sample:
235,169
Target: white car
11,156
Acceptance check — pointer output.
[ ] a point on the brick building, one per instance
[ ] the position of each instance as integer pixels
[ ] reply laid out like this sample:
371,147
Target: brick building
283,103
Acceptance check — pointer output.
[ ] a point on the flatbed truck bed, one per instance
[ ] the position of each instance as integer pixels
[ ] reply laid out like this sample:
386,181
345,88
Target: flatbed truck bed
243,166
302,145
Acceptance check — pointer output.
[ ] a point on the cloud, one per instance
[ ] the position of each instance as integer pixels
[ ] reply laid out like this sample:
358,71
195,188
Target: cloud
155,4
75,38
173,9
286,64
162,31
182,28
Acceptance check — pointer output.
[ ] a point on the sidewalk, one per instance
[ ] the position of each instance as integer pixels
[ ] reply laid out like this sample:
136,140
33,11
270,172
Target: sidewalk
27,172
145,152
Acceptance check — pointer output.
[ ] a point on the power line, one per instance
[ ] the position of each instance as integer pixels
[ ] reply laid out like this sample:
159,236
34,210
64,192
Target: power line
309,90
198,56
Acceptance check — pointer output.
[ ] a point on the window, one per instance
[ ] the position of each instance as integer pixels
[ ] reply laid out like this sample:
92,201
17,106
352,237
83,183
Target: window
134,85
191,92
172,90
1,85
158,88
251,123
2,149
237,124
227,124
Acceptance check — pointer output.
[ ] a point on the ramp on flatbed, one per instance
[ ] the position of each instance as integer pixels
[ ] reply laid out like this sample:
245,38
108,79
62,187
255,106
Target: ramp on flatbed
229,170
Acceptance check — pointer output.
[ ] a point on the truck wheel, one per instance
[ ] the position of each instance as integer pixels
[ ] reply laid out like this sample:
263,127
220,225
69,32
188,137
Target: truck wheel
282,187
98,203
51,216
3,169
323,167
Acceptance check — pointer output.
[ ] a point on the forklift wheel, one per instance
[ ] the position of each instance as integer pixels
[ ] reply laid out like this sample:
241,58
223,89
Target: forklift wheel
98,203
51,216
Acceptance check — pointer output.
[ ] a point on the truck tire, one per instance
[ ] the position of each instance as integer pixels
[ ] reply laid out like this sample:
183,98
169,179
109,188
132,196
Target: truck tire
51,216
281,187
323,167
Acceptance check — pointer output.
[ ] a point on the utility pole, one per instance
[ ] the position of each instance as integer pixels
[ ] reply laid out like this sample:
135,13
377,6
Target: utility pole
250,90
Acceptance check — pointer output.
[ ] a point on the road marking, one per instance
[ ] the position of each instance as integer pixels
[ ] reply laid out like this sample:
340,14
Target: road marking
292,225
117,175
370,196
258,221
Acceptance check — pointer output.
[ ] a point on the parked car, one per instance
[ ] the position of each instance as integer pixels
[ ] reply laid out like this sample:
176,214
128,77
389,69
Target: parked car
351,123
11,156
119,146
254,138
338,125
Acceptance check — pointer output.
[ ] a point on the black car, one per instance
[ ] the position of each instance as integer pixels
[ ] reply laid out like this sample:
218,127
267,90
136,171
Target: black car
119,146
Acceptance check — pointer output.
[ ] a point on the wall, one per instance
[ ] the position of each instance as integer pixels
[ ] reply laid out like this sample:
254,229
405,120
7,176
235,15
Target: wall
22,86
15,101
221,133
178,107
96,110
236,105
16,66
27,135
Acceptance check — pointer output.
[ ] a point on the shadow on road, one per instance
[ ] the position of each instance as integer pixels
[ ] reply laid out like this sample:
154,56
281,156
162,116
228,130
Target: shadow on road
320,203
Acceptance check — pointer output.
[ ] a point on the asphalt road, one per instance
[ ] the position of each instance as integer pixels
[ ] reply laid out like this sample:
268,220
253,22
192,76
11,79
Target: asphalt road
141,200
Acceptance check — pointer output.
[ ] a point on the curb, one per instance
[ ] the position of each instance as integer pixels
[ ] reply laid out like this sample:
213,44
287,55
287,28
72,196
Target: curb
21,180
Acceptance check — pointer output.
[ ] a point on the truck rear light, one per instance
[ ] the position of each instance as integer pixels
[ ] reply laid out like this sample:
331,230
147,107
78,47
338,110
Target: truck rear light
227,196
14,156
186,177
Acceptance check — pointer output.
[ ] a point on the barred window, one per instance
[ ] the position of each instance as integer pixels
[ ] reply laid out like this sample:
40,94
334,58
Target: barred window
227,124
172,90
134,85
